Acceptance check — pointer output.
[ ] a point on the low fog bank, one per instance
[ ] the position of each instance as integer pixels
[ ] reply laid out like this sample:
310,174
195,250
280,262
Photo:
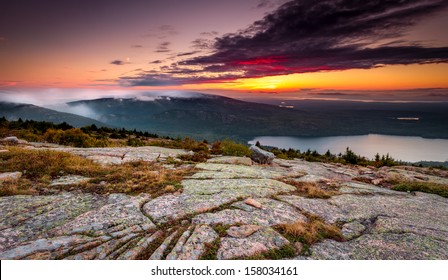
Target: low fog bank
58,99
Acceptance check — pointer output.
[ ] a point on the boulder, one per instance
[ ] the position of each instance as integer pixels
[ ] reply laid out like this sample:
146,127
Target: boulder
12,140
7,176
261,156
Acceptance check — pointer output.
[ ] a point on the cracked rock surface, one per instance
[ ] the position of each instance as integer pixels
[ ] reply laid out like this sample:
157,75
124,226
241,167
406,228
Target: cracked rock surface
261,241
119,155
211,216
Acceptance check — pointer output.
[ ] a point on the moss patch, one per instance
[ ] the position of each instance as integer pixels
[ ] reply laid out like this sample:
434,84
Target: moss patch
284,252
211,250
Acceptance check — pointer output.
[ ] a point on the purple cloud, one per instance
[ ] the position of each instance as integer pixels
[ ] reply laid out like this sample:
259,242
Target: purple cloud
311,36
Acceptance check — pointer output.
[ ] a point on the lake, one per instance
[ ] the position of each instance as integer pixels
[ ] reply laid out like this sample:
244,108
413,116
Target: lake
405,148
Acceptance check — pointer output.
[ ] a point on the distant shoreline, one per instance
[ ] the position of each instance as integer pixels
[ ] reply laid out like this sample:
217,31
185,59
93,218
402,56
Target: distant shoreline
405,148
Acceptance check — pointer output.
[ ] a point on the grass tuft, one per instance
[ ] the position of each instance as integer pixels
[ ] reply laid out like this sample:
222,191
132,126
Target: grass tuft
195,157
310,233
312,190
17,187
38,163
39,167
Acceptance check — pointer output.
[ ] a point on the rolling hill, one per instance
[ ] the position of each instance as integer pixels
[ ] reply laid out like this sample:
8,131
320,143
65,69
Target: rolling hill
14,111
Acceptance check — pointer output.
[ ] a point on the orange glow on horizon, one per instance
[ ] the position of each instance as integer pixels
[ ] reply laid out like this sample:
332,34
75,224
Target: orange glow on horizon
382,78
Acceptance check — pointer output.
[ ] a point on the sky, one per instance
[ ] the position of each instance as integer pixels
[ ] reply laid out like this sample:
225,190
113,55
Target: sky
389,50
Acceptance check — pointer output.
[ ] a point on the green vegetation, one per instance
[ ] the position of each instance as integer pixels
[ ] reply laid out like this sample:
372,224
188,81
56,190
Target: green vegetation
349,157
92,136
221,229
427,187
73,137
65,134
230,148
284,252
211,250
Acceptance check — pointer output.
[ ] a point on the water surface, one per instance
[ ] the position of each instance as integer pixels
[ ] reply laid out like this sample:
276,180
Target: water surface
405,148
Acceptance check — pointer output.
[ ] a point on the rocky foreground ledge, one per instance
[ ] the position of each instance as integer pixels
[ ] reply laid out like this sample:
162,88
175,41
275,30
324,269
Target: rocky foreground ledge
230,209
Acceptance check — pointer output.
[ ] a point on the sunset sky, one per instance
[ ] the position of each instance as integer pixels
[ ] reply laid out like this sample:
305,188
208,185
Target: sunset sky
253,48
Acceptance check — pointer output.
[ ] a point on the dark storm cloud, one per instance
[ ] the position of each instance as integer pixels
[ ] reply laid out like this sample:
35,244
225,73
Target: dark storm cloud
202,44
310,36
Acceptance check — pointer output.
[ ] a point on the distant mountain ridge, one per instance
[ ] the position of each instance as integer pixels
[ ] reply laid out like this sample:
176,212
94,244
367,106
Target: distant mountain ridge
14,111
212,116
208,116
215,117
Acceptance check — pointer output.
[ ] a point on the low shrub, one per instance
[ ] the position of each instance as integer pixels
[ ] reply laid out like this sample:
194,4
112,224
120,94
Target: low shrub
426,187
231,148
195,157
216,148
71,137
17,187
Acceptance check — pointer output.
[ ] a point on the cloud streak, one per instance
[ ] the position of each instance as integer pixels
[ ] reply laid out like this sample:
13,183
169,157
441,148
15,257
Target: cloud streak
163,47
118,62
309,36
